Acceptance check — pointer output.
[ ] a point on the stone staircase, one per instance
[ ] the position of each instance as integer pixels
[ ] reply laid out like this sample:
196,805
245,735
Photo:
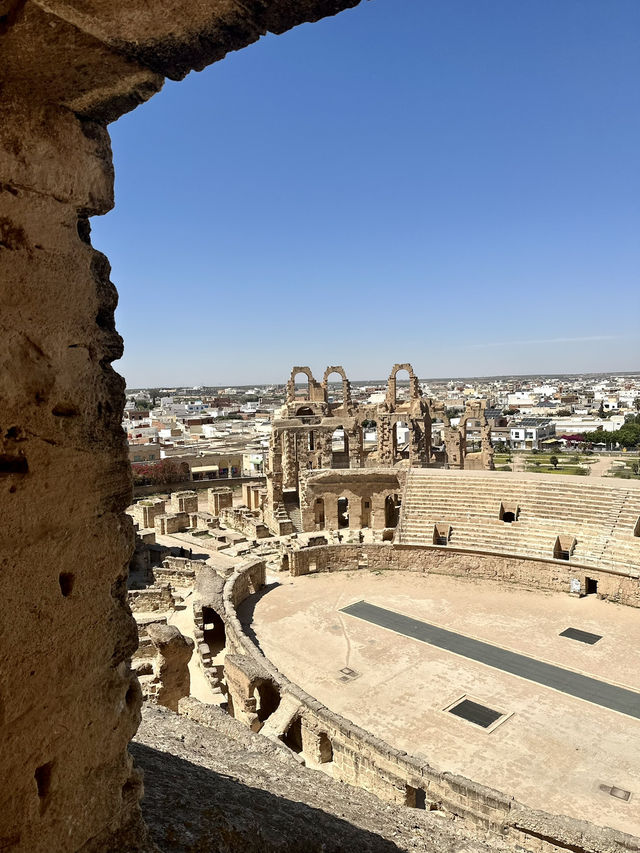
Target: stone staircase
601,518
292,508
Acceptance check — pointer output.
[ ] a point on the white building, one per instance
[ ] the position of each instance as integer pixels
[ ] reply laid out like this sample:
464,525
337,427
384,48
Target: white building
529,433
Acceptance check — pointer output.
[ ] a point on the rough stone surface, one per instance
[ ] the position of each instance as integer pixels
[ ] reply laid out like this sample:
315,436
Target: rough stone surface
171,665
222,787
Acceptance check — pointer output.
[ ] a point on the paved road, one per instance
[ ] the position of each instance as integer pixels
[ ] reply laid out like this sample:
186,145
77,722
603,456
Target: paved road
573,683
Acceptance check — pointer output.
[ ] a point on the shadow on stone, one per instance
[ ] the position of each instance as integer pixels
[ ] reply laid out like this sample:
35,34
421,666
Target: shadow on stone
192,808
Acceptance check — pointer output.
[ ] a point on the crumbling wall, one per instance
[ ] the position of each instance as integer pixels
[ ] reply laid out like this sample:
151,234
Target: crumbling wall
171,678
531,572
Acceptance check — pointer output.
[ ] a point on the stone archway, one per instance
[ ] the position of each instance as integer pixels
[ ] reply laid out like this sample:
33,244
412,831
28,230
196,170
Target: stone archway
414,385
346,385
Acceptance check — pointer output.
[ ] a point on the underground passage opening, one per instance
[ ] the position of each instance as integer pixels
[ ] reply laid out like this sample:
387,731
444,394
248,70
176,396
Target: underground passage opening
415,798
325,748
292,737
214,631
509,512
267,698
343,513
66,581
441,534
13,464
43,776
590,586
564,547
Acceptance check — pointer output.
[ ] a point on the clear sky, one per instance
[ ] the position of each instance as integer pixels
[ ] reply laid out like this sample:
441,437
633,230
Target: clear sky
452,183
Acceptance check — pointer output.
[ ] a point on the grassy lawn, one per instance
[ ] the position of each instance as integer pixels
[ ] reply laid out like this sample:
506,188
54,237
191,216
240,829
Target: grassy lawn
625,473
568,463
561,469
502,458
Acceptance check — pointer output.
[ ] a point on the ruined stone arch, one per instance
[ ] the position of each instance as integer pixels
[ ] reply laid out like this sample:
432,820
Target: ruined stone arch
346,385
291,384
414,385
475,410
267,695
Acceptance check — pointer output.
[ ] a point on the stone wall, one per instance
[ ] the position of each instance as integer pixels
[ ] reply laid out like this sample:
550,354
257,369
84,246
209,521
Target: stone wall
157,597
553,575
244,521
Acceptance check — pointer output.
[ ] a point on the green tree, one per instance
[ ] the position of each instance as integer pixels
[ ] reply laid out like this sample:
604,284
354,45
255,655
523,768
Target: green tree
554,461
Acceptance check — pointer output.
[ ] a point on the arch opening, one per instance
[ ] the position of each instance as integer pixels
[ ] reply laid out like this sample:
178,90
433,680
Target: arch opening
214,630
267,698
292,737
343,513
339,448
335,395
392,504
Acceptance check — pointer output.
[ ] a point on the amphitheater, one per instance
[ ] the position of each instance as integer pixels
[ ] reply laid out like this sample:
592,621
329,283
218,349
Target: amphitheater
343,734
372,700
455,642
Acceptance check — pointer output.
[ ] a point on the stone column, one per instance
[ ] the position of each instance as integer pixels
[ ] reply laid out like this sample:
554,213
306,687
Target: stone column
69,702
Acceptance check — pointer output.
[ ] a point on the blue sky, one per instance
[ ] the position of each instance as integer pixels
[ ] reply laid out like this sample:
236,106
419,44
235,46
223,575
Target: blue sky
453,183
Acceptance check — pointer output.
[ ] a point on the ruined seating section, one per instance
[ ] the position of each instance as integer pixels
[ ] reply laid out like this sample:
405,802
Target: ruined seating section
601,518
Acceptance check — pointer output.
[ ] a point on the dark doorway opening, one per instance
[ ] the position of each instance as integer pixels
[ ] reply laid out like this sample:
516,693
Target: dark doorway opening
325,748
343,513
213,629
268,700
391,510
293,736
590,586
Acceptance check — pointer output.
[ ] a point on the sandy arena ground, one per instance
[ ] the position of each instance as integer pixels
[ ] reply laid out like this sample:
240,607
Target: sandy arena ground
552,753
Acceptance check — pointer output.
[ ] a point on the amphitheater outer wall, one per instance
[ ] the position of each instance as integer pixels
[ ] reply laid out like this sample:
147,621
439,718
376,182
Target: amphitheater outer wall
553,575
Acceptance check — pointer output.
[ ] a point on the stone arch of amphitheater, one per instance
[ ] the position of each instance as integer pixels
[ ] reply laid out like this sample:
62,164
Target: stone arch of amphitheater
69,701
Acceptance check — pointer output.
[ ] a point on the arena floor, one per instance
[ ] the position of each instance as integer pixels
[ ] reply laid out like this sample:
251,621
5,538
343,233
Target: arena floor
549,750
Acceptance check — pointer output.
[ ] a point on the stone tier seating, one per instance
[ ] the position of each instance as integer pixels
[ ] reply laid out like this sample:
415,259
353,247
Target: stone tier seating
602,518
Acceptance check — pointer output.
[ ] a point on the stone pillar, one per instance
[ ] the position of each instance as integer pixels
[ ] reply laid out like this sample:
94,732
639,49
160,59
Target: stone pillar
331,512
171,664
454,447
69,702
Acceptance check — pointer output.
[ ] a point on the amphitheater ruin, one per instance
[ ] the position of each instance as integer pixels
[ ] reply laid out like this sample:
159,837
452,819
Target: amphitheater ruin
305,668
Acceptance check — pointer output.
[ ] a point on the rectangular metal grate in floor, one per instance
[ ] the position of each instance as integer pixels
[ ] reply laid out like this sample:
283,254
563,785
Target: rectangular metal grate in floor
476,713
621,699
581,636
618,793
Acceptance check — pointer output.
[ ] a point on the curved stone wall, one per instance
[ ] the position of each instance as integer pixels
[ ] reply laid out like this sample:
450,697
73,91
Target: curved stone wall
621,586
359,758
